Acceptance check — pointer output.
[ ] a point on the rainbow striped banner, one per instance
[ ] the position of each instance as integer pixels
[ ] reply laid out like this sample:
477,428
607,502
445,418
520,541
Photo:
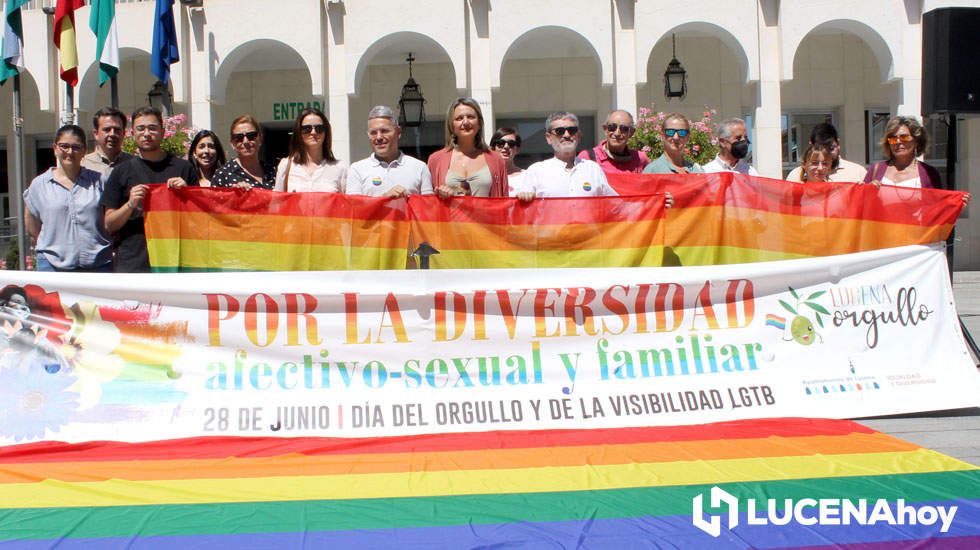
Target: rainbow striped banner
716,219
195,229
602,488
729,218
472,232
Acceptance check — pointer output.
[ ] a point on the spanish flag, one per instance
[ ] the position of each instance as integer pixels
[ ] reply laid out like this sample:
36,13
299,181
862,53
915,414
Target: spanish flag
64,38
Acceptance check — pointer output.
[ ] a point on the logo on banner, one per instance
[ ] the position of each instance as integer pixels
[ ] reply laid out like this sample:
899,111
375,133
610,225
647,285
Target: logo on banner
587,186
57,360
801,325
811,511
376,181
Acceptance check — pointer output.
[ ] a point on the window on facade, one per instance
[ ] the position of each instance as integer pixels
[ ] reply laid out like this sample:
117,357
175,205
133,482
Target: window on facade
533,145
796,128
874,132
432,137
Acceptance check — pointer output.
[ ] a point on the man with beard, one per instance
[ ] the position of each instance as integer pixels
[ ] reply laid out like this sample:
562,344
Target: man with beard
127,187
387,172
565,174
733,147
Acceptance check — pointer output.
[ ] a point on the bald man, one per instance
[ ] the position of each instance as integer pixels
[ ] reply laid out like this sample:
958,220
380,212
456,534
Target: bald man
614,154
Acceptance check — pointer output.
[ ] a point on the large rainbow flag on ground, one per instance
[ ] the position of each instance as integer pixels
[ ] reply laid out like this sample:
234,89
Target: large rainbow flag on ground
601,488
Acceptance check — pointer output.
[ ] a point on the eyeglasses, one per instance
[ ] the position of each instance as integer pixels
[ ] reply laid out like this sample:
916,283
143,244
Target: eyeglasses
904,138
72,147
560,131
499,144
310,128
623,128
669,132
241,136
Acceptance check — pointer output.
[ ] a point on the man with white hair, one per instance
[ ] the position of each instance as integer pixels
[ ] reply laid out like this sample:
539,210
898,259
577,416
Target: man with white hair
733,147
565,174
387,172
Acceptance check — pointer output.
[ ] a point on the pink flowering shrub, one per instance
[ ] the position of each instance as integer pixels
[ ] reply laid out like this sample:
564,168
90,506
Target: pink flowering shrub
702,145
176,136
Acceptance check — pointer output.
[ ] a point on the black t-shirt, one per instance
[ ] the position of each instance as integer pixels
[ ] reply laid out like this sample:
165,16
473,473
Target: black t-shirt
129,243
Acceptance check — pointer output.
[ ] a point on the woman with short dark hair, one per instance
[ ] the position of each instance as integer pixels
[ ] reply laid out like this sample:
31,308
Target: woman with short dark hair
62,210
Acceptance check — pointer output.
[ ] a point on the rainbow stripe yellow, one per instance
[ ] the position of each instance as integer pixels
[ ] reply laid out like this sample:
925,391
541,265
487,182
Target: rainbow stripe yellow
605,488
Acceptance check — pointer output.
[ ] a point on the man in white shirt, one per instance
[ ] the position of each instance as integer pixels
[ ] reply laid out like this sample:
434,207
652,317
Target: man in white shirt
564,175
733,147
387,172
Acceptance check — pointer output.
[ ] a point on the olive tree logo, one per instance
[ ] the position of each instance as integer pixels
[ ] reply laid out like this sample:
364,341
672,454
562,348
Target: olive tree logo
801,327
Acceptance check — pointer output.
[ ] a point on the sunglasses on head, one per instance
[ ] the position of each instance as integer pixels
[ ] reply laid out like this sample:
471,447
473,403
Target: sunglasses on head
560,131
71,147
623,128
904,138
241,136
680,132
310,128
508,142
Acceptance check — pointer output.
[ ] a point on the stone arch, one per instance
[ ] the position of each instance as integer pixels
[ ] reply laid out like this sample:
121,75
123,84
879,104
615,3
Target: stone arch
231,62
881,48
424,48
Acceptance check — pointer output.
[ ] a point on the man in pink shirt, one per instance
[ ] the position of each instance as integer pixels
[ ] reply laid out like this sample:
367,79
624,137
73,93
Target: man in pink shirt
613,154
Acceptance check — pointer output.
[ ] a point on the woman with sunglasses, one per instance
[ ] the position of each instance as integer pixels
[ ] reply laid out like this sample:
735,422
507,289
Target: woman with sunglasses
206,155
245,171
905,139
506,142
674,136
466,166
311,165
613,153
63,214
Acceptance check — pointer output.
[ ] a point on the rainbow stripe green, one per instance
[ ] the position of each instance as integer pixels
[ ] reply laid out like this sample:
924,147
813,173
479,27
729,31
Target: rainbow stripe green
195,229
731,218
609,488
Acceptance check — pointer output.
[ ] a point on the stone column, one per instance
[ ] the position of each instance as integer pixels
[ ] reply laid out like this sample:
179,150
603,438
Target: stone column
767,148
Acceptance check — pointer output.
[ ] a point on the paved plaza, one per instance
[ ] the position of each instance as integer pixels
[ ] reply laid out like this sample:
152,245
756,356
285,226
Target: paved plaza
956,432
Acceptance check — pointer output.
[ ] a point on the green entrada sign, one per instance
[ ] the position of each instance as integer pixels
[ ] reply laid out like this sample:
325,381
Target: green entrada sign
288,110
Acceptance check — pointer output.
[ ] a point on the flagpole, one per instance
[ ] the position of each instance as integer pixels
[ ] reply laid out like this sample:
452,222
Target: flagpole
114,92
19,175
69,104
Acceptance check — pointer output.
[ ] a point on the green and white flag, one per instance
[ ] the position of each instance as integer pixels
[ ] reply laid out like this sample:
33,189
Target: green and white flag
12,48
102,21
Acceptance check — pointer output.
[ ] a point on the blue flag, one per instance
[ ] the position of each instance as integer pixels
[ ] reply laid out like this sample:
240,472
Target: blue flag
164,41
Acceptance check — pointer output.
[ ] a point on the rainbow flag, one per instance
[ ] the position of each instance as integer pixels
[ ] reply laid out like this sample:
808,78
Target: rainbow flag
775,321
472,232
731,218
603,488
197,229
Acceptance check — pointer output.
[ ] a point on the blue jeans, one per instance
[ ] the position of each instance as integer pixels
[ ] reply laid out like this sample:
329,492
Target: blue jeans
41,263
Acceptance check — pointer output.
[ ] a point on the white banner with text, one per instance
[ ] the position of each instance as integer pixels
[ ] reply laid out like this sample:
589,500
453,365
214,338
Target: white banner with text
369,353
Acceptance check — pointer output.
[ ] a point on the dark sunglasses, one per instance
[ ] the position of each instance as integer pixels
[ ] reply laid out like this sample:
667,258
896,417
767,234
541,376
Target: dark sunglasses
508,142
669,132
241,136
310,128
560,131
623,129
